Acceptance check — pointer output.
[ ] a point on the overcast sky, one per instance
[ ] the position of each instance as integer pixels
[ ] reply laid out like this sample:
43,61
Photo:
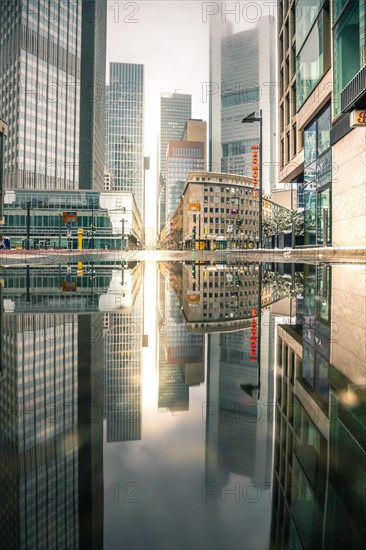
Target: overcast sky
170,38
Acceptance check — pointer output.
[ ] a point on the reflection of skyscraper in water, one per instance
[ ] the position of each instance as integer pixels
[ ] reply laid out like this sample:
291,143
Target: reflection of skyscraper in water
38,448
123,362
238,434
237,417
40,358
180,355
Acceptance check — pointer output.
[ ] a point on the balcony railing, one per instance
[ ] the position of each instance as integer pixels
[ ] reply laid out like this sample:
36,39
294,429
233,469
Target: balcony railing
354,91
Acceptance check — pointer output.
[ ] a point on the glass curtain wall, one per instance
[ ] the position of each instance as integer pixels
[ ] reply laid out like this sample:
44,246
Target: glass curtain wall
312,46
317,180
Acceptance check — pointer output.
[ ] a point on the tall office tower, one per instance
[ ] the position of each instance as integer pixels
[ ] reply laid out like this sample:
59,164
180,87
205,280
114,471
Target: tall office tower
106,133
242,80
182,157
175,110
126,128
52,82
92,105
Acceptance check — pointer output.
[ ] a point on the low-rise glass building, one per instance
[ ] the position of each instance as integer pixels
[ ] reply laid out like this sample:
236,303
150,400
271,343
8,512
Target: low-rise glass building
71,219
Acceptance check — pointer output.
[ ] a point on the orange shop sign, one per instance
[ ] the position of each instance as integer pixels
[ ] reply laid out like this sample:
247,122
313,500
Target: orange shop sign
255,169
194,207
69,217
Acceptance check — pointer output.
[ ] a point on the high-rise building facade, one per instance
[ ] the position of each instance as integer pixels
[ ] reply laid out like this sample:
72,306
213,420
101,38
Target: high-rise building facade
242,81
322,91
182,157
3,134
125,144
92,105
175,110
52,82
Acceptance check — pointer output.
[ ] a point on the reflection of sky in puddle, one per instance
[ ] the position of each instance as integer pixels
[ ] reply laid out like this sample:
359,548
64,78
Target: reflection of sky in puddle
165,472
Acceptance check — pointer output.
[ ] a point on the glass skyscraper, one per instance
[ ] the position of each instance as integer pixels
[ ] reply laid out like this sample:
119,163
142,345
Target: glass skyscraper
182,157
52,85
125,125
242,77
175,110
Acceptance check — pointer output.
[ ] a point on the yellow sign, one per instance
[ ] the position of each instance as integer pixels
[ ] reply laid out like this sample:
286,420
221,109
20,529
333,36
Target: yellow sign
358,118
194,207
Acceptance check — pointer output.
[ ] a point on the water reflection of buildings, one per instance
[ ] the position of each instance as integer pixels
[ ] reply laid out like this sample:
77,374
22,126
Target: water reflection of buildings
123,341
319,479
51,458
180,352
58,288
218,297
222,301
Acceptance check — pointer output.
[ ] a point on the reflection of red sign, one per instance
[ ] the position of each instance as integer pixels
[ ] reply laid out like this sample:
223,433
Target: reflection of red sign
253,336
69,217
255,169
68,286
193,298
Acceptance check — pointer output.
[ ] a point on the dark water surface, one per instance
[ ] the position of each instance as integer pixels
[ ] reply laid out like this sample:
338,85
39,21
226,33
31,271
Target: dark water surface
180,405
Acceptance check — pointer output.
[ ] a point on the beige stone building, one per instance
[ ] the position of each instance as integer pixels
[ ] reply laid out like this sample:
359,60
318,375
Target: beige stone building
219,211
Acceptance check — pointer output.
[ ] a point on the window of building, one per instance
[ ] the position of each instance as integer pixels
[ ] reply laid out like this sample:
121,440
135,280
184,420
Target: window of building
348,44
313,58
306,13
317,175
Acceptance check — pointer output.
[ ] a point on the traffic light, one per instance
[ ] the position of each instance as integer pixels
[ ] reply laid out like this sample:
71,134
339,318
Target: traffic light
237,280
193,270
238,224
194,233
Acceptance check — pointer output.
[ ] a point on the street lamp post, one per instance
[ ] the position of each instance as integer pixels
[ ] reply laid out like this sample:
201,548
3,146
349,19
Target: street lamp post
123,234
249,388
92,225
237,222
249,120
28,224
